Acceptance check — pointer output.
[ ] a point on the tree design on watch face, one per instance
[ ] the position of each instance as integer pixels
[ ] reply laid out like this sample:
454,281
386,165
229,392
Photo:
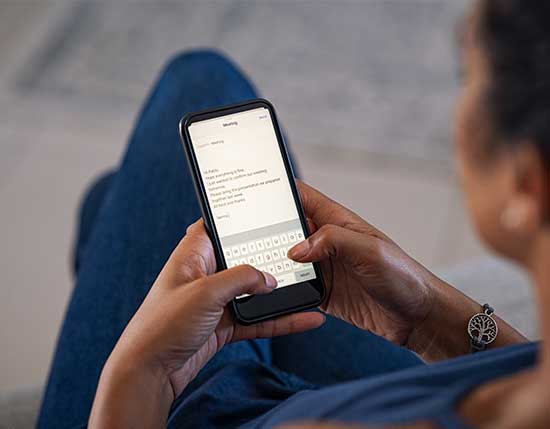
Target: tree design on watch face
482,328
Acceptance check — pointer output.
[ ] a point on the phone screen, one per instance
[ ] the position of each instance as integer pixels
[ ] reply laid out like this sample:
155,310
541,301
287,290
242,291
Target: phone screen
249,193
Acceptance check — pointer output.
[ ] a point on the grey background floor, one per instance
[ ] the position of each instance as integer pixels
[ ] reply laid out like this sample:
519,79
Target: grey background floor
364,90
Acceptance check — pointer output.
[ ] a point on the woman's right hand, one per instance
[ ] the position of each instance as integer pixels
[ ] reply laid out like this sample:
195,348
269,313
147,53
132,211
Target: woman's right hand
373,284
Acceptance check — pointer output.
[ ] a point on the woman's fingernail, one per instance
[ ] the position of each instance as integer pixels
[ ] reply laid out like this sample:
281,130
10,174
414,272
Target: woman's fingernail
270,281
299,251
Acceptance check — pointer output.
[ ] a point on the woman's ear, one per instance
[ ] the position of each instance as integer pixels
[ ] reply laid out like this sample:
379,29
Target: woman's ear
527,210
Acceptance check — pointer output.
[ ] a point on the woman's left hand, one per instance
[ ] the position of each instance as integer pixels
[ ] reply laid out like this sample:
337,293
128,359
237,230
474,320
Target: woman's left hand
181,324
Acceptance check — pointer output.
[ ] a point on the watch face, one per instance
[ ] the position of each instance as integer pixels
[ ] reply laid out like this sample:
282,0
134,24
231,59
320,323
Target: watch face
482,328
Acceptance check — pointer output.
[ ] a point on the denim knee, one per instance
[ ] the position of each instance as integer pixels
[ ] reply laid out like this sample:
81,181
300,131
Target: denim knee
203,63
211,58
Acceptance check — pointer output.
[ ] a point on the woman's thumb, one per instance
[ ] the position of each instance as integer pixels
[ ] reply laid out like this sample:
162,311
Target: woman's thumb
329,241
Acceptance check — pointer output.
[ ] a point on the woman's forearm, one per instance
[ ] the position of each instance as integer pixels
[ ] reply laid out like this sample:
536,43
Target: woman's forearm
131,397
443,334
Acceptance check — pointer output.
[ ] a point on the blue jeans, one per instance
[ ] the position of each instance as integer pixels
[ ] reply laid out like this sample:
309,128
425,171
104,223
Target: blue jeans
130,222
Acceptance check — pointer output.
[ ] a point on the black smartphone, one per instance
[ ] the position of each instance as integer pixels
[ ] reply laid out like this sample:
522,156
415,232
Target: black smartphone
251,207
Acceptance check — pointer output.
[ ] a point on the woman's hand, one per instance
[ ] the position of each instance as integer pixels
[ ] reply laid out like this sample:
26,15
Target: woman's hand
181,324
373,284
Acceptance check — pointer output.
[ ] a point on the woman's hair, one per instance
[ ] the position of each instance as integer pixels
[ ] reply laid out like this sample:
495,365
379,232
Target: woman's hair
515,38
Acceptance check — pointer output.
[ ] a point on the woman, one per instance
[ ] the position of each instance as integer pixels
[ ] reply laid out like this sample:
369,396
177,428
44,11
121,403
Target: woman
174,362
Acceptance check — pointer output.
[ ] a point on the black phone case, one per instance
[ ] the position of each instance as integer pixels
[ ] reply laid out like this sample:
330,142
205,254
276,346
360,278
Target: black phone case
207,215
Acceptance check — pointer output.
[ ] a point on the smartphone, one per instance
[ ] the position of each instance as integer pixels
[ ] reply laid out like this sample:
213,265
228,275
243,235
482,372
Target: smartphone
251,207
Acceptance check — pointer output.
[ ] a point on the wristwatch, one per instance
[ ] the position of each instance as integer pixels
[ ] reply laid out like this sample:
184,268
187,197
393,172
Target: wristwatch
482,329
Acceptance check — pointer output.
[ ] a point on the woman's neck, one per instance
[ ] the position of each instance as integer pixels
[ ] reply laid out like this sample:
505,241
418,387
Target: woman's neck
535,400
540,272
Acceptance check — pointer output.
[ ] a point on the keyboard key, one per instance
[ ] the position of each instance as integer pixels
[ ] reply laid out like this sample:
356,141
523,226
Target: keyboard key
284,238
270,269
252,247
292,237
296,264
260,258
235,251
243,261
251,260
227,253
275,255
279,267
267,257
233,263
299,235
287,265
244,249
260,245
276,241
268,243
305,274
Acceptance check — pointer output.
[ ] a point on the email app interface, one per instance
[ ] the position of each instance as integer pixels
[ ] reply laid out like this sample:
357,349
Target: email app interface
249,193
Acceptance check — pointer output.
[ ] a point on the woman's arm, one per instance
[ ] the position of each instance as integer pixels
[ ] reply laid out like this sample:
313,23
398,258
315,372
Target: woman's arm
131,396
443,333
373,284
